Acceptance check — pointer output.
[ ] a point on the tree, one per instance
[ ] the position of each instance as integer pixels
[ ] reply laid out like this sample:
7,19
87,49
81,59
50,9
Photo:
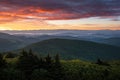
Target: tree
56,72
27,62
23,53
58,69
57,60
30,52
42,63
2,66
2,61
99,62
48,62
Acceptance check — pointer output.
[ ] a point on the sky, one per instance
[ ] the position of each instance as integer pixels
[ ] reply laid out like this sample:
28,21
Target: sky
59,14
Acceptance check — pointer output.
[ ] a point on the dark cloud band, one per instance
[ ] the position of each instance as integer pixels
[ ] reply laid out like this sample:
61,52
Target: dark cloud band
58,9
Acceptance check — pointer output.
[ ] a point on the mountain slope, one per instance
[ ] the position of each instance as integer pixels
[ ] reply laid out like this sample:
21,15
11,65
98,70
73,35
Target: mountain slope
10,42
8,45
112,41
70,49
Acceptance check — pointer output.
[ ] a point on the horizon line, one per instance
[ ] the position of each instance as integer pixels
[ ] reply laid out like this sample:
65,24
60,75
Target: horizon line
64,29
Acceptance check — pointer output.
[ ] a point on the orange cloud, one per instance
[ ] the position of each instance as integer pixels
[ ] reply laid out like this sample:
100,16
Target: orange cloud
16,13
59,10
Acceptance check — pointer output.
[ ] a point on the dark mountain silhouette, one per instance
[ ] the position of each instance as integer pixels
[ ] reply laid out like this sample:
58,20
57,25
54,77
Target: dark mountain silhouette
112,41
9,42
7,45
70,49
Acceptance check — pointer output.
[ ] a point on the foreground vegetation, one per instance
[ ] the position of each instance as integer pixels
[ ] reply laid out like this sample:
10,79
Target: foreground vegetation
28,66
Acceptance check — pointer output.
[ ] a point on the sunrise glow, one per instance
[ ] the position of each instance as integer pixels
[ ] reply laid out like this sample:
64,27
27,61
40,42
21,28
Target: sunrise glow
40,14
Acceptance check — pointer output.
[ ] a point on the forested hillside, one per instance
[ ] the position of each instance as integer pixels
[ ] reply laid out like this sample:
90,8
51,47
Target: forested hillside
75,49
28,66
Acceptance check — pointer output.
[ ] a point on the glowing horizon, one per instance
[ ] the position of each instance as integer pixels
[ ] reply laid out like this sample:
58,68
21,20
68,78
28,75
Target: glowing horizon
55,14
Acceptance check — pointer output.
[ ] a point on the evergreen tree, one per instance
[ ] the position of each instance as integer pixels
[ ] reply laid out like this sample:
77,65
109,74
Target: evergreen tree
27,62
48,62
2,66
41,63
99,62
57,71
30,52
57,60
2,62
23,53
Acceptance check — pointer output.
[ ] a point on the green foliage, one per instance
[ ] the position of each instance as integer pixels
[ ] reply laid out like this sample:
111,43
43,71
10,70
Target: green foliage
2,62
27,62
80,70
11,74
75,49
57,60
100,62
39,74
56,72
10,55
28,66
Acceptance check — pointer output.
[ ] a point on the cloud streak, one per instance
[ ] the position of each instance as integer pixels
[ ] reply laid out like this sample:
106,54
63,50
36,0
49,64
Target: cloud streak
57,9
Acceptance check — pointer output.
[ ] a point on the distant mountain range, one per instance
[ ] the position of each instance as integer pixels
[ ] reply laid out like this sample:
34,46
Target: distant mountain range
73,33
112,41
9,42
69,44
72,49
12,40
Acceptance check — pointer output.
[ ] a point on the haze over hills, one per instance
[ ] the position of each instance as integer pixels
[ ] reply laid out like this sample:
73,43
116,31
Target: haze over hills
72,49
112,41
9,42
6,45
19,39
74,33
